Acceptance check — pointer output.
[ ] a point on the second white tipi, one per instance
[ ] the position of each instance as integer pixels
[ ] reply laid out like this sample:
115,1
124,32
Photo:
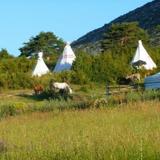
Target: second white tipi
142,58
40,68
66,59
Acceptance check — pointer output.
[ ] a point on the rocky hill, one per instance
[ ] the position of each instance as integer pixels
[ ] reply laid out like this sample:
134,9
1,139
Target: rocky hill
148,17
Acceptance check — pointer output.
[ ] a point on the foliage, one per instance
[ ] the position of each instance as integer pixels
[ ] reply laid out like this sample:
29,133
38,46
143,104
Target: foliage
155,36
111,66
100,68
119,45
15,73
83,63
4,54
123,35
147,16
44,41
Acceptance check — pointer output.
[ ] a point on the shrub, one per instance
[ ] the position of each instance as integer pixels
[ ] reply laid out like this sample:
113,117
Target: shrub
7,110
98,103
83,89
12,108
151,95
133,96
80,78
117,99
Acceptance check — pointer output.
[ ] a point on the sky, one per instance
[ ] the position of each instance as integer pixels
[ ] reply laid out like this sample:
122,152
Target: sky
68,19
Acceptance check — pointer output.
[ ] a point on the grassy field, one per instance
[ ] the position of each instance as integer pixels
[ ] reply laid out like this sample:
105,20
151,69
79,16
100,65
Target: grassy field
123,127
129,132
13,102
27,96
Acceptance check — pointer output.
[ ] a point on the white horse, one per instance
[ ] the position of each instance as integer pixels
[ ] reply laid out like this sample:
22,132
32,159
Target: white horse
61,86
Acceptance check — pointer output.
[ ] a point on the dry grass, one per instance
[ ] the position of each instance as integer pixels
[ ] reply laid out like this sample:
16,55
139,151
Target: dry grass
129,132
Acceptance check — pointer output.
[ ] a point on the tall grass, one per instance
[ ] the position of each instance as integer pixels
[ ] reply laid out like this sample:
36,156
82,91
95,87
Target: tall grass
128,132
18,106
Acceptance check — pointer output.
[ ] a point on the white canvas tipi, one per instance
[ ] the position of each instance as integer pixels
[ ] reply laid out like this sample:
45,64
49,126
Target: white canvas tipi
41,67
142,58
66,59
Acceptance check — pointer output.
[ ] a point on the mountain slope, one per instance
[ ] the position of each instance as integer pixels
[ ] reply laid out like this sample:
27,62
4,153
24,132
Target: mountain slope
148,17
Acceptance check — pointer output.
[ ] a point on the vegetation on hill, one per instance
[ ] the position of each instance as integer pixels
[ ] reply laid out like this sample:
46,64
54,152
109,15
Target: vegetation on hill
123,35
155,36
112,64
118,47
147,17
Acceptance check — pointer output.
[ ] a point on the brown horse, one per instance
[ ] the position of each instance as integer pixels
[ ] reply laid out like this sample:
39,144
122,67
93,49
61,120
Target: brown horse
38,89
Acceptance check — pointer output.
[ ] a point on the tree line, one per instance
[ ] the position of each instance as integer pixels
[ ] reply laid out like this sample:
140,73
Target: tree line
111,64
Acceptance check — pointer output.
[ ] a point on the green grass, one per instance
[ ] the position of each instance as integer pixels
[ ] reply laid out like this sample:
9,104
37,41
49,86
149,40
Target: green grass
124,133
13,102
125,127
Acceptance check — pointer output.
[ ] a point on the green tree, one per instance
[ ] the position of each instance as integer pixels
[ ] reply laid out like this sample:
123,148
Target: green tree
123,35
83,63
155,36
4,54
44,41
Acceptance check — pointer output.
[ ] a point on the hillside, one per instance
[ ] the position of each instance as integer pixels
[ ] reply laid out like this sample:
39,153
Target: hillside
147,16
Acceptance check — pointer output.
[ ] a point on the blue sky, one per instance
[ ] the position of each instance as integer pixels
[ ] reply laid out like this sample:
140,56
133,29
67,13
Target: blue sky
68,19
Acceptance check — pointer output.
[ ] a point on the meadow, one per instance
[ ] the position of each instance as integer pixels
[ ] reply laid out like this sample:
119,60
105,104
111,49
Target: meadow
122,133
32,128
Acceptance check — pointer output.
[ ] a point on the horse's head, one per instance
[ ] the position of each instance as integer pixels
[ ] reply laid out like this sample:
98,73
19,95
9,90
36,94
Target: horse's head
70,90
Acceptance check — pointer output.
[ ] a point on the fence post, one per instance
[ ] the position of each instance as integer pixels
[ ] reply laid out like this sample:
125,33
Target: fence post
107,88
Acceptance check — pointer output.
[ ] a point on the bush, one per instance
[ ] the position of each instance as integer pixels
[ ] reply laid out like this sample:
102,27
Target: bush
11,109
133,96
83,89
98,103
80,78
15,73
7,110
151,95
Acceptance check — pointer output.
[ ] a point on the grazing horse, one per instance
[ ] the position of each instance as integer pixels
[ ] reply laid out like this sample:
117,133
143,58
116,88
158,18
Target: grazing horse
38,89
54,86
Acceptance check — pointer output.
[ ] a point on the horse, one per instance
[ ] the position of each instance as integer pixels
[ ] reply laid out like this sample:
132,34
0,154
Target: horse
60,90
38,89
134,77
60,86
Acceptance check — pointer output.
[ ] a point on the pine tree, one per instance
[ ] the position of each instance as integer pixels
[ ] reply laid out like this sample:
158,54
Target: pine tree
44,41
123,35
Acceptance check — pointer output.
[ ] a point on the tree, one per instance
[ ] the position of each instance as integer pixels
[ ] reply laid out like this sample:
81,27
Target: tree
4,54
123,35
44,41
155,36
83,63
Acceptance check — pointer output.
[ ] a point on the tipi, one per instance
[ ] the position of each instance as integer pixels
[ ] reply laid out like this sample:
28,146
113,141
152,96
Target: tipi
66,59
142,58
40,68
